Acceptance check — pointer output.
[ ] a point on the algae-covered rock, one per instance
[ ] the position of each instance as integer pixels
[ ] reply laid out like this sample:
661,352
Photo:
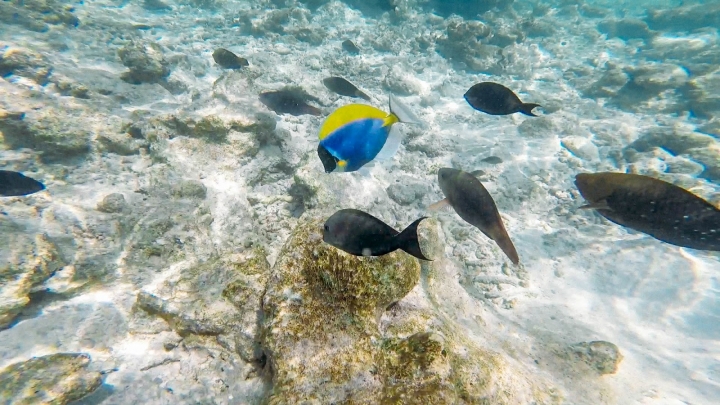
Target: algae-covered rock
684,18
25,63
210,128
603,357
35,15
320,330
113,203
25,263
49,131
709,157
626,28
322,339
415,370
465,45
68,87
190,189
55,379
120,143
217,300
145,61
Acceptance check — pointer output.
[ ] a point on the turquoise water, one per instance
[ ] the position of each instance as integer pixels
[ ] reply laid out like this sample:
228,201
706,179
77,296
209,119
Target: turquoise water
176,252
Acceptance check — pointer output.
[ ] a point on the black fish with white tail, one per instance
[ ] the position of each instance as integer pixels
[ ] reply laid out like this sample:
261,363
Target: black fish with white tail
291,101
344,88
473,203
655,207
361,234
14,184
496,99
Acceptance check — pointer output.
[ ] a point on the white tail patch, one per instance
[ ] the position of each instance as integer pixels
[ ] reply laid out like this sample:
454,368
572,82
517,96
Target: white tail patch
392,144
444,203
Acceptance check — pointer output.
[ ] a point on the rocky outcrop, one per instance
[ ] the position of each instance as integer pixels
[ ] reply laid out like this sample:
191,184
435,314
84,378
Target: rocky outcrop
55,379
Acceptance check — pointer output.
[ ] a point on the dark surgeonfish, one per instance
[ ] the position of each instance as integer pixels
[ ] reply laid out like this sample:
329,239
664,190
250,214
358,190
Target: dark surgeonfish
289,101
660,209
13,184
344,88
496,99
473,203
350,47
361,234
229,60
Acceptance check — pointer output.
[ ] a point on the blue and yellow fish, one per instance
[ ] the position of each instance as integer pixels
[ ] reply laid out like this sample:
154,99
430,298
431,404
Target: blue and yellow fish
355,134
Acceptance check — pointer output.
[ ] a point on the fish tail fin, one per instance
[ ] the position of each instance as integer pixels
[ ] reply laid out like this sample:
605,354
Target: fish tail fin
526,108
408,240
363,95
508,248
402,112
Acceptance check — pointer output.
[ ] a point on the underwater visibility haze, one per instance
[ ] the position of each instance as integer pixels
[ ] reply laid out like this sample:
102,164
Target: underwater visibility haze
359,201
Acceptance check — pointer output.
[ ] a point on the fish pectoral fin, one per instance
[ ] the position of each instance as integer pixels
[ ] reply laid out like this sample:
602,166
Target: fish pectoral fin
598,205
439,205
403,113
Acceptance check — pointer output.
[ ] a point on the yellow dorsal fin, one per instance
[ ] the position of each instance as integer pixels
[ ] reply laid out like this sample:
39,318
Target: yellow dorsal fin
353,112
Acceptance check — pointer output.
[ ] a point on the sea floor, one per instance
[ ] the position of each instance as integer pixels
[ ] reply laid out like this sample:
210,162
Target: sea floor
165,173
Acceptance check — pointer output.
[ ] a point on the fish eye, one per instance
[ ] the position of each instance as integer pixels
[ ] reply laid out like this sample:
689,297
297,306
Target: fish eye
327,228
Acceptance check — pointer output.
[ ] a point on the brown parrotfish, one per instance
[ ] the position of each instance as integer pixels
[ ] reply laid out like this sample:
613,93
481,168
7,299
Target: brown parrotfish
290,100
473,203
655,207
343,87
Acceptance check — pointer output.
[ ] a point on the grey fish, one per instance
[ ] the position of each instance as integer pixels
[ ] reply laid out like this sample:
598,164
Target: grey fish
229,60
361,234
493,160
496,99
349,47
13,184
344,87
657,208
288,101
473,203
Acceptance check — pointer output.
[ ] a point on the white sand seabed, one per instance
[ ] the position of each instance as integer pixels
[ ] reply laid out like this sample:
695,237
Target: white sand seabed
586,278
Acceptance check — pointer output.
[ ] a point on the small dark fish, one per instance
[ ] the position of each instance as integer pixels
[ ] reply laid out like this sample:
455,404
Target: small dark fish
13,184
344,87
478,173
229,60
473,203
660,209
361,234
493,160
496,99
288,102
349,47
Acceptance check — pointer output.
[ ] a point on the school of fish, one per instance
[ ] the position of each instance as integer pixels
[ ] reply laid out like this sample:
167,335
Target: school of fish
355,135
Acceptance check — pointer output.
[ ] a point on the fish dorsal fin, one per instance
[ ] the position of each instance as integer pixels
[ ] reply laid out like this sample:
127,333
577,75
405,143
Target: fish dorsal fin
392,144
347,114
402,113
